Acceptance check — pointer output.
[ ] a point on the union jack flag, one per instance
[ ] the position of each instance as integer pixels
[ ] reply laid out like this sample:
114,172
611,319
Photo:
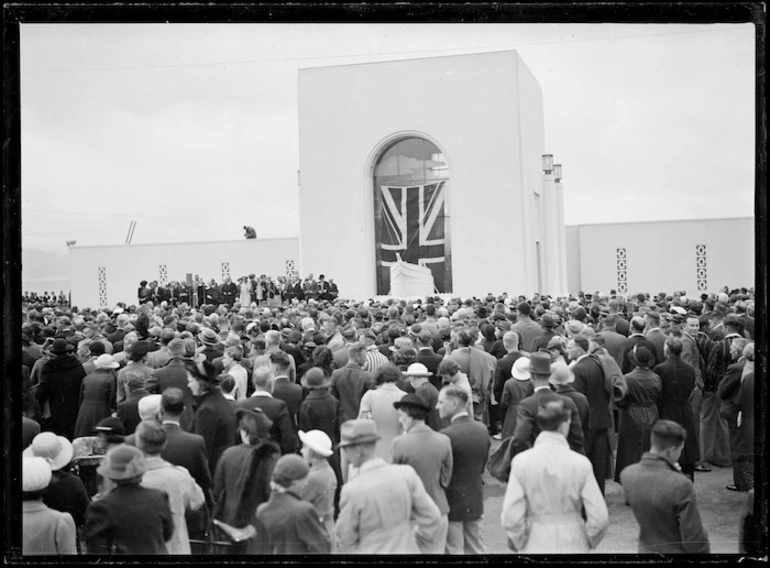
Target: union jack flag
413,226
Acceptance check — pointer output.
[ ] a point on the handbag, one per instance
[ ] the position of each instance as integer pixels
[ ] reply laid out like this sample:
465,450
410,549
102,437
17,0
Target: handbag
499,462
221,538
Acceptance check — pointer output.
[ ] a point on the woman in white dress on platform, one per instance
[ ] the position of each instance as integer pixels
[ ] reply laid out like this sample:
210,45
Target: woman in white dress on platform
245,287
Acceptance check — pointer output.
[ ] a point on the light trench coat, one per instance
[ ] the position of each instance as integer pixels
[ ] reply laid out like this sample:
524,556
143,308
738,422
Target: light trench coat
384,510
183,494
547,486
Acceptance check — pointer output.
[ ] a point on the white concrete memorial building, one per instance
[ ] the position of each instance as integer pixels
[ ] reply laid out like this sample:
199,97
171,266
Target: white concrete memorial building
442,162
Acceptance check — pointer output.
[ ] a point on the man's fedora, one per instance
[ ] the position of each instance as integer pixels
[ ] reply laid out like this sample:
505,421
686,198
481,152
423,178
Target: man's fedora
413,400
122,462
60,347
540,363
361,431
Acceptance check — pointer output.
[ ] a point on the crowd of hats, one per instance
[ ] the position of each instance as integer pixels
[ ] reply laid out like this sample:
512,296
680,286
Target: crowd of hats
61,329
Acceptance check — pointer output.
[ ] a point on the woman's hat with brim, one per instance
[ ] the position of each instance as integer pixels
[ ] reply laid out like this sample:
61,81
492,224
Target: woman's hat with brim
106,361
56,450
208,336
314,378
413,400
110,425
520,369
122,462
205,371
417,370
318,441
35,474
359,431
250,408
60,347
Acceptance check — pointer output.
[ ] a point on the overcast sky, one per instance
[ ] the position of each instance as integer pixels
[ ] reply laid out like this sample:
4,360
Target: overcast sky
191,130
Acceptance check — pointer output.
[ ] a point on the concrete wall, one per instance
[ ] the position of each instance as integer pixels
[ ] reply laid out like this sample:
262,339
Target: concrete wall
485,114
664,256
124,266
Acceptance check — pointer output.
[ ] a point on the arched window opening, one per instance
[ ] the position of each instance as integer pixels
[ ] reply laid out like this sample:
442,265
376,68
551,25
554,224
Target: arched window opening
411,181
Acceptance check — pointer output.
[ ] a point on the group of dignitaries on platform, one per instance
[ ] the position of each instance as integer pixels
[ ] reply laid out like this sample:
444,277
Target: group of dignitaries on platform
246,290
331,427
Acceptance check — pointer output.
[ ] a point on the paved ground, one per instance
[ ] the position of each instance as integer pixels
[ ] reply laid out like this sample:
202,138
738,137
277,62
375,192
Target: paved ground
719,508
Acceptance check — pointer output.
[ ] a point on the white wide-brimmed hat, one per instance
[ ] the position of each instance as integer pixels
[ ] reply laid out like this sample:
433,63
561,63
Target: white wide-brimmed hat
317,440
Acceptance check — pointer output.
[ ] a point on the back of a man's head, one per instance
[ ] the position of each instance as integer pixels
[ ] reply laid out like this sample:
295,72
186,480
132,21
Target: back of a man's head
551,415
610,322
272,339
667,434
356,351
457,393
172,401
510,340
150,437
133,379
262,377
524,309
281,361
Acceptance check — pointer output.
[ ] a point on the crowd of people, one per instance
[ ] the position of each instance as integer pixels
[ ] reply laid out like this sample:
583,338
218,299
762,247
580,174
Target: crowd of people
320,425
46,298
262,290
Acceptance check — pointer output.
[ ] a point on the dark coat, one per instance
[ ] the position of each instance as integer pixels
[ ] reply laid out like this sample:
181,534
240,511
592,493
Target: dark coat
612,341
589,380
60,380
215,420
128,410
66,493
242,482
743,446
348,386
290,393
431,360
664,504
130,519
470,448
527,428
514,391
581,402
429,394
320,411
98,400
282,432
638,412
293,525
503,373
677,381
29,429
624,361
189,451
658,339
174,374
727,391
541,341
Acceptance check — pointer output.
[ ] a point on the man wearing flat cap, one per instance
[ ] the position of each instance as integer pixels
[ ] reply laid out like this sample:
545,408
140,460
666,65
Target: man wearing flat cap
430,454
379,505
